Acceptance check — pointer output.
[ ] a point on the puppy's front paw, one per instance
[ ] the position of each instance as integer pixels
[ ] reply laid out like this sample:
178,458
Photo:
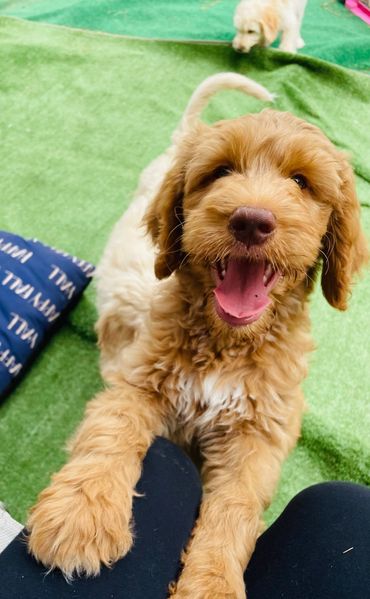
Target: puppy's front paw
80,523
210,588
208,581
288,47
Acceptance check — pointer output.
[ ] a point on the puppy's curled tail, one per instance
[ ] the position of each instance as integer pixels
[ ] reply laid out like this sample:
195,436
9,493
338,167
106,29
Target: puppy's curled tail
211,86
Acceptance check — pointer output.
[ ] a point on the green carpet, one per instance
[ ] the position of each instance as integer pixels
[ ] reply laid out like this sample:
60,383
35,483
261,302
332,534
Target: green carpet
330,31
81,114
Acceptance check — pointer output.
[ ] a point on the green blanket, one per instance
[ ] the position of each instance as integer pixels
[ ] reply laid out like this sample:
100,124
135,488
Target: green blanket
81,114
330,31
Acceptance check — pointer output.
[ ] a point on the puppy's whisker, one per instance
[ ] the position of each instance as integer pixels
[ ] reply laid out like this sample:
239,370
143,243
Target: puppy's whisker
186,256
326,259
331,239
173,230
309,278
177,210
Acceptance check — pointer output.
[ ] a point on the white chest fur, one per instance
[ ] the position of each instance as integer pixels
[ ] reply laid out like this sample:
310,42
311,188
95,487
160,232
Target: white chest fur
200,398
225,395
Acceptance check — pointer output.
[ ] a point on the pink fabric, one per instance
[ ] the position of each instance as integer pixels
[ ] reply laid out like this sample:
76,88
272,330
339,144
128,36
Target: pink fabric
359,10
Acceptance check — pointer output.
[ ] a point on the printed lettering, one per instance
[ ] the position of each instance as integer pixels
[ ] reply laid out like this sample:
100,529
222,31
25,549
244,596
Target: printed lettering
16,284
61,280
10,362
20,327
14,251
45,307
33,297
87,268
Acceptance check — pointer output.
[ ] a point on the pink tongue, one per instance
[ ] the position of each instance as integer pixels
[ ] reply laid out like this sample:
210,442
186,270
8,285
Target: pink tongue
242,293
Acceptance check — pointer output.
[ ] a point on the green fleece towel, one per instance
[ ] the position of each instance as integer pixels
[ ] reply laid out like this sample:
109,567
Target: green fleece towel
330,31
81,115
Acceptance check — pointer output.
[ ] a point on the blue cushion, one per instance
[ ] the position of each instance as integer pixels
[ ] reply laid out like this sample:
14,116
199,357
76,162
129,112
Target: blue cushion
37,285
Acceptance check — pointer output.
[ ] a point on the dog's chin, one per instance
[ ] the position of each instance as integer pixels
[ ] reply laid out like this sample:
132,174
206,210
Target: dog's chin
241,294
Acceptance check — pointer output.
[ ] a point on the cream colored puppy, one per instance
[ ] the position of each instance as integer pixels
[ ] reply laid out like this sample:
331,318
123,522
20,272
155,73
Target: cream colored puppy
259,22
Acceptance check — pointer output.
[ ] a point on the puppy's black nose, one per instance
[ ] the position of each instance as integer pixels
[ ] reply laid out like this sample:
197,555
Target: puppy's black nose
252,226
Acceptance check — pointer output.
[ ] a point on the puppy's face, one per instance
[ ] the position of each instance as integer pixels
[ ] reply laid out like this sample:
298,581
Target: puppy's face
248,211
248,34
254,27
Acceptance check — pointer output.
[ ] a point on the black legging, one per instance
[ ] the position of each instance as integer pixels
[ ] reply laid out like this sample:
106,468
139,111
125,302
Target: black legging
319,548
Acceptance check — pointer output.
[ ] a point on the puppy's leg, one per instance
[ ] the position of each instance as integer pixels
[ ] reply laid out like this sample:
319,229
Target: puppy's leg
300,9
240,474
83,518
124,283
289,40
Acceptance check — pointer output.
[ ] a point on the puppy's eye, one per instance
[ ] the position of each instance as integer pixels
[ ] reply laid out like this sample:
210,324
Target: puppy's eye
221,171
300,180
251,31
218,173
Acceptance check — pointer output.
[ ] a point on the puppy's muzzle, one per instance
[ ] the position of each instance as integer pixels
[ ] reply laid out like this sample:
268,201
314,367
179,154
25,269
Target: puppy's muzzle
252,226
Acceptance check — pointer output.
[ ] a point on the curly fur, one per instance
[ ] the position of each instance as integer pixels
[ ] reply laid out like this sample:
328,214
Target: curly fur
176,368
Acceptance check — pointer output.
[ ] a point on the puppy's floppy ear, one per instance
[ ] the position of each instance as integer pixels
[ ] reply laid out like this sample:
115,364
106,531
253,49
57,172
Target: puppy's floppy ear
344,243
270,25
164,219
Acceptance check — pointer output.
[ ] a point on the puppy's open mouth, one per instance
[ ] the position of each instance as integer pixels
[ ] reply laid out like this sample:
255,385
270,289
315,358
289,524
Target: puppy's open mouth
242,289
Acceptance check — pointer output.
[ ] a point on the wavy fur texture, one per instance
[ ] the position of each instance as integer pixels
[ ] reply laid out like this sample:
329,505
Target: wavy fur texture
174,367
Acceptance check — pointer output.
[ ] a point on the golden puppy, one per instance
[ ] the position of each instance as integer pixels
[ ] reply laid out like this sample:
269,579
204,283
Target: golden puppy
212,349
259,22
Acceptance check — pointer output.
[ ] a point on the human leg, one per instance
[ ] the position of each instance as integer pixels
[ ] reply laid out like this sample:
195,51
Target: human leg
319,548
164,515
